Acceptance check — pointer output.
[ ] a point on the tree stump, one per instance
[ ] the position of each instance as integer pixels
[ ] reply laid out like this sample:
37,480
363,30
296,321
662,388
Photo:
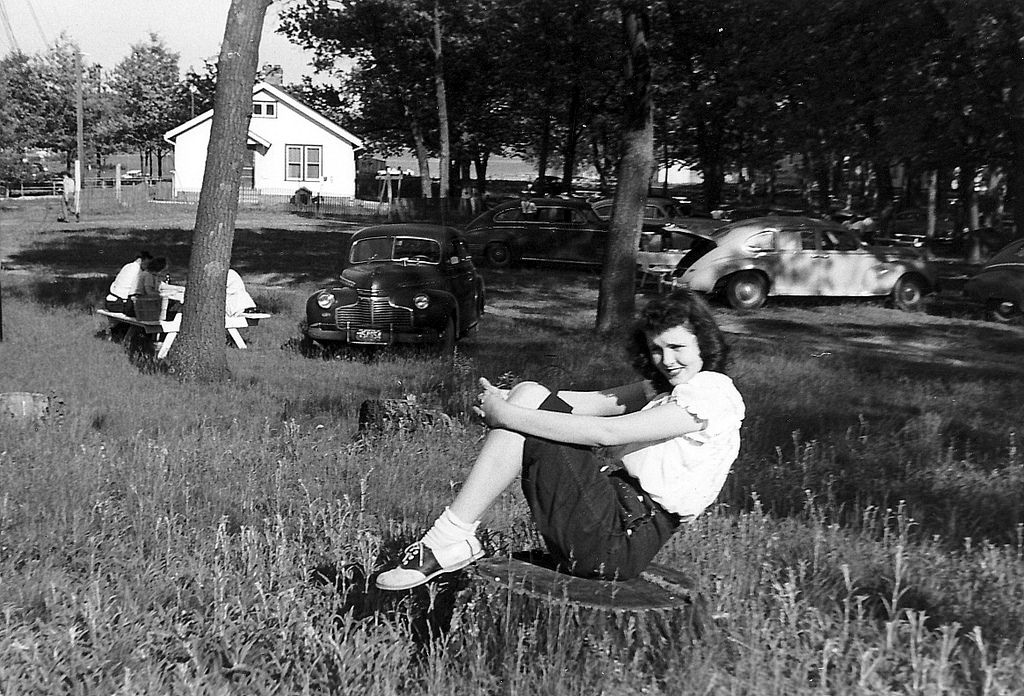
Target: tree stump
30,406
391,416
512,600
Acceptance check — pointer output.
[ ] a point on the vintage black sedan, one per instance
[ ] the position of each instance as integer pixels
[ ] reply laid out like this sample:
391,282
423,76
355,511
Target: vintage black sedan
999,286
400,284
545,229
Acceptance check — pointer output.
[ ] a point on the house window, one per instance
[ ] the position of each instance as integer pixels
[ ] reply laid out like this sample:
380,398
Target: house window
264,109
303,162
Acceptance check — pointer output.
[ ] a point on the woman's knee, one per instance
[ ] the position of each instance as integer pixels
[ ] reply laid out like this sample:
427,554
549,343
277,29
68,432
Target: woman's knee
528,394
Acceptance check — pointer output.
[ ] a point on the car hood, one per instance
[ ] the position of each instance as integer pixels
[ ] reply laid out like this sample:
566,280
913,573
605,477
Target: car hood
391,276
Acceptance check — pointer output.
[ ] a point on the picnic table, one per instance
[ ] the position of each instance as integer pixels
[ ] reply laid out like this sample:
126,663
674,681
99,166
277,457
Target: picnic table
169,329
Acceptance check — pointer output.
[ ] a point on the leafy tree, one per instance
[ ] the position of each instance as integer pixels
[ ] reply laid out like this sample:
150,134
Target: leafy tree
562,75
195,92
393,65
147,90
56,98
21,118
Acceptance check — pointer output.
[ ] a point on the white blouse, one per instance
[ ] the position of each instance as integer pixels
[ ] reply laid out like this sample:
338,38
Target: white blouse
686,473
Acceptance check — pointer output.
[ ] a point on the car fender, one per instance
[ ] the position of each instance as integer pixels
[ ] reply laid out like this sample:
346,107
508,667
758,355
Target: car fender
996,283
446,304
723,270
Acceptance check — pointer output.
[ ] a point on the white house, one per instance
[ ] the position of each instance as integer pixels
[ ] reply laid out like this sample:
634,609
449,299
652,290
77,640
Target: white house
290,146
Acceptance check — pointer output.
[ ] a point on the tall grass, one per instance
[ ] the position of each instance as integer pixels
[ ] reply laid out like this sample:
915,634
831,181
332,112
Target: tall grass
169,538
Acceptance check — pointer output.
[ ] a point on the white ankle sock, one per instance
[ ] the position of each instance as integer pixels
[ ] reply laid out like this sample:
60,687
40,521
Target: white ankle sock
449,529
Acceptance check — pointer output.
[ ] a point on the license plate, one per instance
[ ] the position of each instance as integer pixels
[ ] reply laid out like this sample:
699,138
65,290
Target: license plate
368,336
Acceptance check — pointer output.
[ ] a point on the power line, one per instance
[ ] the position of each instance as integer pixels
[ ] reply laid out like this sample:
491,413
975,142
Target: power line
35,18
7,27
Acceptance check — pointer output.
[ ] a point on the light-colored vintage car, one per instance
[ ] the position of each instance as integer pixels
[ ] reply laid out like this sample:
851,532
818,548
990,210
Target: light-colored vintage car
751,260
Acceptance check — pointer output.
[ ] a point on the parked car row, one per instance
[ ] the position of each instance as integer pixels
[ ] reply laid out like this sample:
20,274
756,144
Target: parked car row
417,283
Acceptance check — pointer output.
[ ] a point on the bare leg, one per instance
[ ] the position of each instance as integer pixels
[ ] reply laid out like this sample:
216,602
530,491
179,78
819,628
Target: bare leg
500,460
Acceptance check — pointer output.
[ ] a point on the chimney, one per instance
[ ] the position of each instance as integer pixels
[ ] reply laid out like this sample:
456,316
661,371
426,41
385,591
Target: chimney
273,75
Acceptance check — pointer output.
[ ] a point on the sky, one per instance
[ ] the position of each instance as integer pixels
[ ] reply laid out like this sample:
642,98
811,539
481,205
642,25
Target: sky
106,29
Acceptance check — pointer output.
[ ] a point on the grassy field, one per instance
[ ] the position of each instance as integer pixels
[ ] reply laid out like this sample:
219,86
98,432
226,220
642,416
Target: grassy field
164,538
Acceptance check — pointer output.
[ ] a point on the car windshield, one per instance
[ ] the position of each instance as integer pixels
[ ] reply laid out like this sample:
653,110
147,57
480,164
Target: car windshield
395,249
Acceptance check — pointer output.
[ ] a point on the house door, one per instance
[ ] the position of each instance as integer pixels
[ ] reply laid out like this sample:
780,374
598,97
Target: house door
248,169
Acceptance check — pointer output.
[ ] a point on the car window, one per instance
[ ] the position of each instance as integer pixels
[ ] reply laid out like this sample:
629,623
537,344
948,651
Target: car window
762,241
848,240
554,214
510,215
789,240
808,240
653,212
416,248
371,249
603,209
394,248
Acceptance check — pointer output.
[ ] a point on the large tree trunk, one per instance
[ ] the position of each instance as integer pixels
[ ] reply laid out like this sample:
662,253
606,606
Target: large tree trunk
442,108
198,353
616,301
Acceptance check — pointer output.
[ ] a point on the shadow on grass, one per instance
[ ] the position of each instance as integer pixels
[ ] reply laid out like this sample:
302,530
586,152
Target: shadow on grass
300,255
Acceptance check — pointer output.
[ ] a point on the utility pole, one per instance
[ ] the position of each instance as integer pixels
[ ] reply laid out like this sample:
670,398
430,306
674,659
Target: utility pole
79,123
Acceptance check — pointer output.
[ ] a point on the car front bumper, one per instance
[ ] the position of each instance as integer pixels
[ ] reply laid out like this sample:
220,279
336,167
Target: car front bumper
372,335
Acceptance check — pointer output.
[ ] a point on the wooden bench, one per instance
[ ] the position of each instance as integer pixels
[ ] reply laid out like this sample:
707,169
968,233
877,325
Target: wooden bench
659,611
169,329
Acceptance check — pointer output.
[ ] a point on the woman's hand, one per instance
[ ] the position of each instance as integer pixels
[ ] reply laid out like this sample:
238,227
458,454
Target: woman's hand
491,403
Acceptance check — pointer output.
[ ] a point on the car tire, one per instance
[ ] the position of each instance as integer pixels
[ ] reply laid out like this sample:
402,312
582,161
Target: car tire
1005,312
498,255
909,293
746,290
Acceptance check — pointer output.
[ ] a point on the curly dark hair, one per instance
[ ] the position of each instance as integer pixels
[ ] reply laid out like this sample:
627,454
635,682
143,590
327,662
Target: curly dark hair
681,308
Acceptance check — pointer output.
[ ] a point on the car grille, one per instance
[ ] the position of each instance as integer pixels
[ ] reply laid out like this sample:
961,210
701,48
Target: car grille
373,310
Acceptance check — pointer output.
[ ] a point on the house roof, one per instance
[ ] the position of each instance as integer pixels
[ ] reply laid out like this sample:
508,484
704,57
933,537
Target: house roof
284,98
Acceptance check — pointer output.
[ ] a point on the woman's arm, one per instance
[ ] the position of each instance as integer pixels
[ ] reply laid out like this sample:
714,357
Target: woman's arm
609,402
653,424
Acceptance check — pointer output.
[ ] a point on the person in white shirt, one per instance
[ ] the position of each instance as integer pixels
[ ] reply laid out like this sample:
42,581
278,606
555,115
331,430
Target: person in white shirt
68,192
126,282
666,445
237,299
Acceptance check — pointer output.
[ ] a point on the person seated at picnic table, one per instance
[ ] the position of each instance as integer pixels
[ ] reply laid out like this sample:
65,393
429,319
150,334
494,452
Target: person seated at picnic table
237,299
126,283
155,282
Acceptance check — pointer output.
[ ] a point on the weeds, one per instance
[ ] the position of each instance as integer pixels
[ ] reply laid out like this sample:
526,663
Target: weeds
166,538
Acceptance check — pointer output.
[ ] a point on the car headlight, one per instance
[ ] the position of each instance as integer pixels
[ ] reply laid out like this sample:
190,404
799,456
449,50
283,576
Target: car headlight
324,300
421,301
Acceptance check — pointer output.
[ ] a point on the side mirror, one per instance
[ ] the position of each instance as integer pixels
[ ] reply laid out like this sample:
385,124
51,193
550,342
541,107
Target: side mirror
454,261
